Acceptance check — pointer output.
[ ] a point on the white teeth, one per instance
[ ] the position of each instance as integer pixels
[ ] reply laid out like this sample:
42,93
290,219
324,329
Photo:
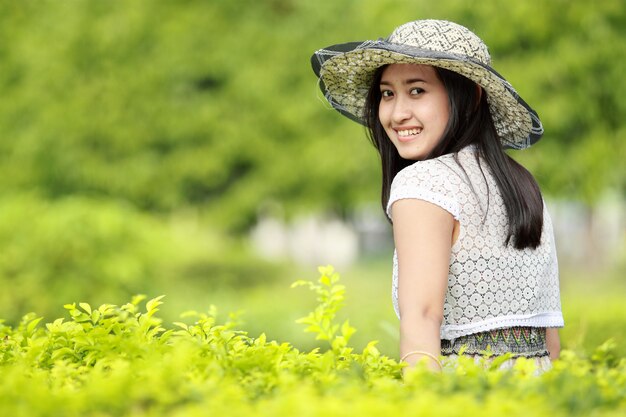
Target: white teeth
409,132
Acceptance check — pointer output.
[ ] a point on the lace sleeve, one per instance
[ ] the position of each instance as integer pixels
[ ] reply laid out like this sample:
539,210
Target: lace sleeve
428,181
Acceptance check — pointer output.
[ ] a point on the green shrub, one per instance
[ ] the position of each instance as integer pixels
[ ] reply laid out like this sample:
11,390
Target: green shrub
52,252
119,361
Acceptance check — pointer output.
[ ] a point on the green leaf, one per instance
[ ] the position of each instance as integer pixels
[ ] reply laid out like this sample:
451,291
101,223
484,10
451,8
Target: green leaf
32,324
85,307
61,353
181,325
347,331
95,316
138,299
325,280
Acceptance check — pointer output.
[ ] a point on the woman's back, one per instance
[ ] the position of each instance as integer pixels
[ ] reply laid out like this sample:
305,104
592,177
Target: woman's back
490,285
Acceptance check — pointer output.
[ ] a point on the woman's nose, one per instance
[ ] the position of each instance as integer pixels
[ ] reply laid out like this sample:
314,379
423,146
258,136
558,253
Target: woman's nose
401,110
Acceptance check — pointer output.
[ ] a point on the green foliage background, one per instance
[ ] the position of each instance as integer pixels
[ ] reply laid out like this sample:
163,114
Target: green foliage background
139,140
212,104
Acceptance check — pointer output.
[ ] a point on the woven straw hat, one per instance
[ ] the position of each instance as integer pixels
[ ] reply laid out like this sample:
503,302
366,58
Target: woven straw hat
346,72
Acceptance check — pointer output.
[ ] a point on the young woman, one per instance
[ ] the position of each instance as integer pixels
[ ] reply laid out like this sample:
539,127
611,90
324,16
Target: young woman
475,268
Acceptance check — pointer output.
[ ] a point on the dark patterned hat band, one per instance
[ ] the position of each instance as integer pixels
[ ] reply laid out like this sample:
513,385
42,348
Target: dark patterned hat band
346,71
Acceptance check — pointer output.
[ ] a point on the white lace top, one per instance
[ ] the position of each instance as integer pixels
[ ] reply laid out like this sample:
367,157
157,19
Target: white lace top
489,285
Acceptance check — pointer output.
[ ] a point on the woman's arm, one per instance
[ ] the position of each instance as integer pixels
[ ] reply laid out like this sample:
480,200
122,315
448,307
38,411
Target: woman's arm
553,342
423,239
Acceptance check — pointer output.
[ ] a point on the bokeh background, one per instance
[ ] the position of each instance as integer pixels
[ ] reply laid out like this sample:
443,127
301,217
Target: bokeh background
182,148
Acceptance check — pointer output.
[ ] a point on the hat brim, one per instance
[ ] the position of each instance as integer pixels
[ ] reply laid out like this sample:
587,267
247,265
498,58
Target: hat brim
346,72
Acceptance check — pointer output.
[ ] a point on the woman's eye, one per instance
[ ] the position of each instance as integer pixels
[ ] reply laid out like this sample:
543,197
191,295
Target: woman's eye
416,91
386,93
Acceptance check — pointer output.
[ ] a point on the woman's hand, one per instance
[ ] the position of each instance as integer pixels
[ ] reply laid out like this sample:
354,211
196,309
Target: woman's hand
553,343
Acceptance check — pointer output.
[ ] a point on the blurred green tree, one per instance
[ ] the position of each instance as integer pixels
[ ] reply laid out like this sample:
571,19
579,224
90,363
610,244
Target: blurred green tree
211,105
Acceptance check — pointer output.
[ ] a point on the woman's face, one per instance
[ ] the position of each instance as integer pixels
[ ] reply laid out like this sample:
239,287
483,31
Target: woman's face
414,109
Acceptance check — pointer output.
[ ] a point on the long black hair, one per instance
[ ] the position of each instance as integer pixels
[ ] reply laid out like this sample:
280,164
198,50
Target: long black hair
470,122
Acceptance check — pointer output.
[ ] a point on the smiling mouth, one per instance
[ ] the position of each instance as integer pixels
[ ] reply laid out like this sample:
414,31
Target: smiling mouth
406,133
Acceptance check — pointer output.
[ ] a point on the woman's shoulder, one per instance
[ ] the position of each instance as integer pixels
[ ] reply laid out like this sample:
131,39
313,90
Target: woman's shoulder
432,180
436,169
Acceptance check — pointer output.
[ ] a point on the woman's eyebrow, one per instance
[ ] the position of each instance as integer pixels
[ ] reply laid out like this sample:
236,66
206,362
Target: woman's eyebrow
405,82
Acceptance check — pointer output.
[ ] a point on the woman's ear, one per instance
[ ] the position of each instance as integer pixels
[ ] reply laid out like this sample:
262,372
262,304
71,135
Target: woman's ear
479,96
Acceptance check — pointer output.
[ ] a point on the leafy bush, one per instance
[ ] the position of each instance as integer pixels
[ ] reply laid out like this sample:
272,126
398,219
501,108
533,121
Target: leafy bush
114,361
53,252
